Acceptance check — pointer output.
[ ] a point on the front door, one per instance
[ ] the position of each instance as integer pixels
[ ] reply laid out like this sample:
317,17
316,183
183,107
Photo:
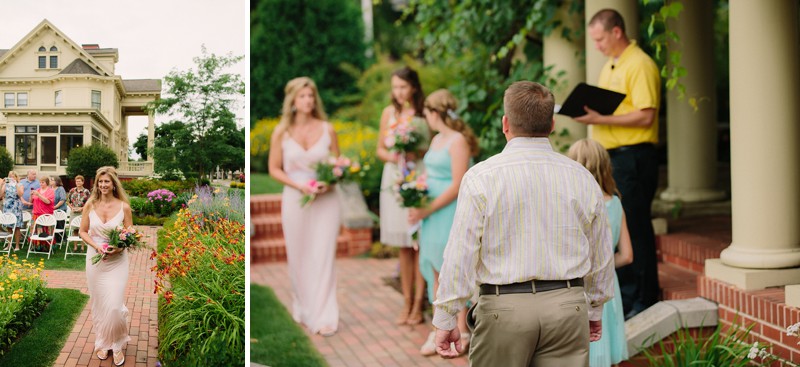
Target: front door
48,159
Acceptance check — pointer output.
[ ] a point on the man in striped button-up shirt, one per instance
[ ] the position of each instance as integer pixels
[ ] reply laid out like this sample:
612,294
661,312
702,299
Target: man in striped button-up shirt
531,229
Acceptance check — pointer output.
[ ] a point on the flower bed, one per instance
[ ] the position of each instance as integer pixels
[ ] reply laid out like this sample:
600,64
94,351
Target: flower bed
201,278
22,297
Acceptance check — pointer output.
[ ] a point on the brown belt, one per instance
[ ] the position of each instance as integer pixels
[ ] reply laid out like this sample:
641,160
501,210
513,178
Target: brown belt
527,287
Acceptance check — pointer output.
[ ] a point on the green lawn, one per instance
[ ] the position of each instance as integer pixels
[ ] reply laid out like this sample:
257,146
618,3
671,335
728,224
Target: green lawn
262,183
56,261
42,343
275,339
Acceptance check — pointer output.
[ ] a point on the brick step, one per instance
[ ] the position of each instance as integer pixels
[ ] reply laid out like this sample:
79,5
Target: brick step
676,282
266,226
265,204
689,251
274,250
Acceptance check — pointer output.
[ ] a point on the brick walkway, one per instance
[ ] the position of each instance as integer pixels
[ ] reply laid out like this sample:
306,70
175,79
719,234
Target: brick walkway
142,305
367,334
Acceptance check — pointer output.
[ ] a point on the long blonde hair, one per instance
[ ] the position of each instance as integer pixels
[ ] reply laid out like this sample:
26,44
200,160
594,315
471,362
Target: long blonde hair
595,158
291,90
116,190
444,103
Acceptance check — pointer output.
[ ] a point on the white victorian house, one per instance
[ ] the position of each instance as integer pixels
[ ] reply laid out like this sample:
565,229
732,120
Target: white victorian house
58,95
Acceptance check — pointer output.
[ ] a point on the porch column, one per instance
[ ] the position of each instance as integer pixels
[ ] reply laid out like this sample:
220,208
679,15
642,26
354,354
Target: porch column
151,135
691,134
565,56
765,154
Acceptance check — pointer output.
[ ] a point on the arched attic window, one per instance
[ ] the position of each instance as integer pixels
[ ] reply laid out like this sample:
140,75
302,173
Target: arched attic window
54,49
42,59
42,49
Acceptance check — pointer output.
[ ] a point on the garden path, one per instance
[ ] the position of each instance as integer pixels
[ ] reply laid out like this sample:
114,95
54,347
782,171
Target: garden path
367,334
142,305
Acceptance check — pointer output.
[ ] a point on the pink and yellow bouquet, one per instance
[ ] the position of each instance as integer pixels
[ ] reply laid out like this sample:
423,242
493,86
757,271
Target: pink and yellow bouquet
329,172
120,237
407,136
412,189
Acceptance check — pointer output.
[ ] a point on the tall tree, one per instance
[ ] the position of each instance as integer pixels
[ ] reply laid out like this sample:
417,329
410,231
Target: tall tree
321,39
201,101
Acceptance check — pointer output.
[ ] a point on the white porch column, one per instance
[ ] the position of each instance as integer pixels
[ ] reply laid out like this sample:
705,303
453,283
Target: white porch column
765,136
691,135
151,135
565,55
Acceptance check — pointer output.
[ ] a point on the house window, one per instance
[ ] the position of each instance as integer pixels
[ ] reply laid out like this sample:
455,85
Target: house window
58,98
72,130
68,142
22,99
9,100
3,141
42,62
42,49
53,49
97,138
96,99
53,62
25,148
48,129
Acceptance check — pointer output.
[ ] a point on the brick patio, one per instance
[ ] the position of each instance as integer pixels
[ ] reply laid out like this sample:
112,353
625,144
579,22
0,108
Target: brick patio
367,334
142,305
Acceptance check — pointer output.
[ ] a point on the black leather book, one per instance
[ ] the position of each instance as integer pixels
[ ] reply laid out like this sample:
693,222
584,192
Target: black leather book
603,101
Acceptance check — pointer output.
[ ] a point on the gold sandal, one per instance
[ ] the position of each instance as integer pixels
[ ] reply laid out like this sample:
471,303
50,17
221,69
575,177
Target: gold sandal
119,354
102,354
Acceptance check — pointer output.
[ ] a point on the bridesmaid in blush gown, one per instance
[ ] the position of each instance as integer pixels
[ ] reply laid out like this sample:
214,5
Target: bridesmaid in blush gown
301,139
107,208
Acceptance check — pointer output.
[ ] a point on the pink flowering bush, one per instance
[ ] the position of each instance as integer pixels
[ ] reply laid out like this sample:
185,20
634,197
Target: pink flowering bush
163,201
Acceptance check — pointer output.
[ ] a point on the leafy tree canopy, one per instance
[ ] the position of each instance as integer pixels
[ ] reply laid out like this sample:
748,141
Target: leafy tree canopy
86,160
201,101
320,39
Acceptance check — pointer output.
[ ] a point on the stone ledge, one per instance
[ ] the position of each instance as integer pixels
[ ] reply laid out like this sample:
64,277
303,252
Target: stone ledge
751,279
664,318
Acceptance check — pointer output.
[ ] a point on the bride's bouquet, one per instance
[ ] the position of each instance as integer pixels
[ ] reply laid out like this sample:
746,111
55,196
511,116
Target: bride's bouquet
329,172
120,237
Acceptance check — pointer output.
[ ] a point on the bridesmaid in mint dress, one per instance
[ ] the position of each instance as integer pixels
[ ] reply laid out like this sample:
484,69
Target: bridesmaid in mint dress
612,348
448,158
300,140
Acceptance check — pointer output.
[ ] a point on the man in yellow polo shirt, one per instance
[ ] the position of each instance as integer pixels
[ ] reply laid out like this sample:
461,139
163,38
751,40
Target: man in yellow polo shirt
630,135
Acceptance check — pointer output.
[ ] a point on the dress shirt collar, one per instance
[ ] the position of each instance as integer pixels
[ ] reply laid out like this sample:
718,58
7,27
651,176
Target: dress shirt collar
528,143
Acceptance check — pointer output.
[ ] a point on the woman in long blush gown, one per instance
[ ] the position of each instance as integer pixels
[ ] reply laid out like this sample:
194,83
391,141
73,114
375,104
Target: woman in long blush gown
300,140
107,208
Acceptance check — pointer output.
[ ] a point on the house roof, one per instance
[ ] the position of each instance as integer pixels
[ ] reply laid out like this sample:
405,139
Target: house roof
142,85
79,67
93,51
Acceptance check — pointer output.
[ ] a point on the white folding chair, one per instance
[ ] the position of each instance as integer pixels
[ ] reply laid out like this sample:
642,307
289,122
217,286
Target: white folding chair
9,222
42,222
26,225
74,226
61,216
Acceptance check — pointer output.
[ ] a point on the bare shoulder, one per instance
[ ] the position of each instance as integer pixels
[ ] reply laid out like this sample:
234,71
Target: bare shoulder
278,132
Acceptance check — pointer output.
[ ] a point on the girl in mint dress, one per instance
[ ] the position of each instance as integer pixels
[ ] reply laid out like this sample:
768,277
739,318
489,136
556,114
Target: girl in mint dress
612,348
448,158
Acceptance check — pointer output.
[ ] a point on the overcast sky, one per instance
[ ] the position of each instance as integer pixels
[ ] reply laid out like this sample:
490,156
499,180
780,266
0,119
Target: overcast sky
153,36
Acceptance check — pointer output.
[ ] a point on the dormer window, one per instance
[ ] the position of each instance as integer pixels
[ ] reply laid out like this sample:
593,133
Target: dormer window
42,49
54,49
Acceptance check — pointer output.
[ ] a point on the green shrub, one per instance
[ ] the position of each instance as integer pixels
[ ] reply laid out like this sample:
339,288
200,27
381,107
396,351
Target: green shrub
86,160
142,187
149,220
6,162
331,35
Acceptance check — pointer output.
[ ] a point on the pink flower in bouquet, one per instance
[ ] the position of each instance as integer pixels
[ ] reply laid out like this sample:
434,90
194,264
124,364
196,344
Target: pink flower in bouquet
337,171
105,247
389,142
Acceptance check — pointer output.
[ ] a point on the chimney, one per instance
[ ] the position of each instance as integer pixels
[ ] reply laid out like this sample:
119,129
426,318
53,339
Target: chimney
90,46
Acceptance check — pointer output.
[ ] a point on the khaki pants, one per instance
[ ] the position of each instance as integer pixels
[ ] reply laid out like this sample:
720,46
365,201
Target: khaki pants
543,329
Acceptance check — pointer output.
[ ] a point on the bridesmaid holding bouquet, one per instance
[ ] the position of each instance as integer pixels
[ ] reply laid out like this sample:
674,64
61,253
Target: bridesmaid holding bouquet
403,116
